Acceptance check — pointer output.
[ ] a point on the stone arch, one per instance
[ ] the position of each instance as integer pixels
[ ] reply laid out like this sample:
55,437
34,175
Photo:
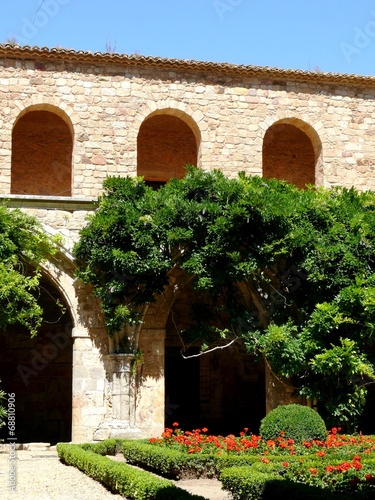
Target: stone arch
39,371
168,139
42,152
223,390
292,151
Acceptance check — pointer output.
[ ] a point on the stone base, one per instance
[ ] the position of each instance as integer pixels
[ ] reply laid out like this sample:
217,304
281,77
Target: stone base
116,429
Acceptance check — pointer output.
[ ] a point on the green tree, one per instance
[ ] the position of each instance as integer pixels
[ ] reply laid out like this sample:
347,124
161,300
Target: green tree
23,247
287,273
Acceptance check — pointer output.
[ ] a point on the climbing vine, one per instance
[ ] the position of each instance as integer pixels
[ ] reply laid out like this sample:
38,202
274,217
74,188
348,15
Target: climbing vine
284,272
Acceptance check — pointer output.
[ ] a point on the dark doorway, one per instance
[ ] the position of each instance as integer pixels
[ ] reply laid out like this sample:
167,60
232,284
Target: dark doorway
367,422
182,398
39,372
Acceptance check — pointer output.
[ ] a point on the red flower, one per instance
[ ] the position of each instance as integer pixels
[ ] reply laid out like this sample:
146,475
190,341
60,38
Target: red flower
204,429
175,424
320,453
285,464
313,471
357,465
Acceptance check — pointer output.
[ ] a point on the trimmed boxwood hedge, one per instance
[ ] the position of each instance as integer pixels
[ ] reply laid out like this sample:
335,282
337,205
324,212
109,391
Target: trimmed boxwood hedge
296,422
126,480
175,464
245,476
246,483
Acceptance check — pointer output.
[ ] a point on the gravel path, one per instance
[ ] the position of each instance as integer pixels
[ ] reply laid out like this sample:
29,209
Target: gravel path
41,476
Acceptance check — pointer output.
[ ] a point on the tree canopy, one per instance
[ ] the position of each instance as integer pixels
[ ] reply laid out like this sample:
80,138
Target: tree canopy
23,246
288,273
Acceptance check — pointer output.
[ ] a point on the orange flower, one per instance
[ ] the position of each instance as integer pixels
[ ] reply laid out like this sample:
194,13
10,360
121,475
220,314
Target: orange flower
313,471
175,424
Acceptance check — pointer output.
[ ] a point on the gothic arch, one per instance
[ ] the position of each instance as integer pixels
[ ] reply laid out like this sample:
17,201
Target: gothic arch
292,151
42,152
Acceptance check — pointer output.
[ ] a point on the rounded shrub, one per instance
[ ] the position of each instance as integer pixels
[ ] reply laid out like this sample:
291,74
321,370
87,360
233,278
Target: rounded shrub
294,421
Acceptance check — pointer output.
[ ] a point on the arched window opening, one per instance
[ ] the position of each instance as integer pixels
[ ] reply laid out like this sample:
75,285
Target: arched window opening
166,144
42,146
289,154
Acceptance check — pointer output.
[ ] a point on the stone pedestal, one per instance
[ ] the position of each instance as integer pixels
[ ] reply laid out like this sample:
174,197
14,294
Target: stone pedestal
119,421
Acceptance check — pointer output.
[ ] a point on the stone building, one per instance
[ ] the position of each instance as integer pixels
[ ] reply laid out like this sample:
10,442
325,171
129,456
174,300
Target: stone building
69,119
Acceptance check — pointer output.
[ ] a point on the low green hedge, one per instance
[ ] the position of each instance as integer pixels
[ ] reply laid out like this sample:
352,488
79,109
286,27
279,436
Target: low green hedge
122,478
176,464
107,447
246,483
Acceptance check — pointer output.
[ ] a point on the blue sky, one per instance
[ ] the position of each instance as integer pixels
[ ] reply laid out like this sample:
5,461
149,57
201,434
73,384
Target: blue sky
329,35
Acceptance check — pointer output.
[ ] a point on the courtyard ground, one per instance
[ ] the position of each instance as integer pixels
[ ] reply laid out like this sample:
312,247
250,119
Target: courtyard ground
41,476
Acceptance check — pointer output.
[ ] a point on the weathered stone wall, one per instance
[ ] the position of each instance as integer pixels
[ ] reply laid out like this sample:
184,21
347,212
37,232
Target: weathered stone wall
106,105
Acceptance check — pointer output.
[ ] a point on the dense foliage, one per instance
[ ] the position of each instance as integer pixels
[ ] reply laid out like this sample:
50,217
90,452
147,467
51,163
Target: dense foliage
288,273
296,422
23,246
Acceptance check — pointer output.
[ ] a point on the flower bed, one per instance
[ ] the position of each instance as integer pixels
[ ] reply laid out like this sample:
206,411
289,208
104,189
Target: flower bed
342,464
338,468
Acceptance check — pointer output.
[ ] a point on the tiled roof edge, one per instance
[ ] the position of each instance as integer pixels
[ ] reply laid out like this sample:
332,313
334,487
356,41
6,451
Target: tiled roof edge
11,51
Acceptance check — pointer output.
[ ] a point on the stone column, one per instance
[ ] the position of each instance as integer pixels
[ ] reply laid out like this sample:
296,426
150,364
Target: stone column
150,409
119,421
88,386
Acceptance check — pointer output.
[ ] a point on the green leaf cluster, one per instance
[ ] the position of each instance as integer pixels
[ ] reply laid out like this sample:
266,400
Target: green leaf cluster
23,246
289,272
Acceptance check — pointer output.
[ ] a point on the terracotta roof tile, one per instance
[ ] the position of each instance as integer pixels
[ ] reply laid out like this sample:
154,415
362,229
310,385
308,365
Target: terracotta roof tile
9,51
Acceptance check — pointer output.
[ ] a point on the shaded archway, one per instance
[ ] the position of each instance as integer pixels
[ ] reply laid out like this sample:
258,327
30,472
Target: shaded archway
42,145
291,149
165,144
223,390
39,371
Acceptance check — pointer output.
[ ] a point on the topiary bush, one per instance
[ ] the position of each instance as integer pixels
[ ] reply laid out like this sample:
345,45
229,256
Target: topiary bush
294,421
